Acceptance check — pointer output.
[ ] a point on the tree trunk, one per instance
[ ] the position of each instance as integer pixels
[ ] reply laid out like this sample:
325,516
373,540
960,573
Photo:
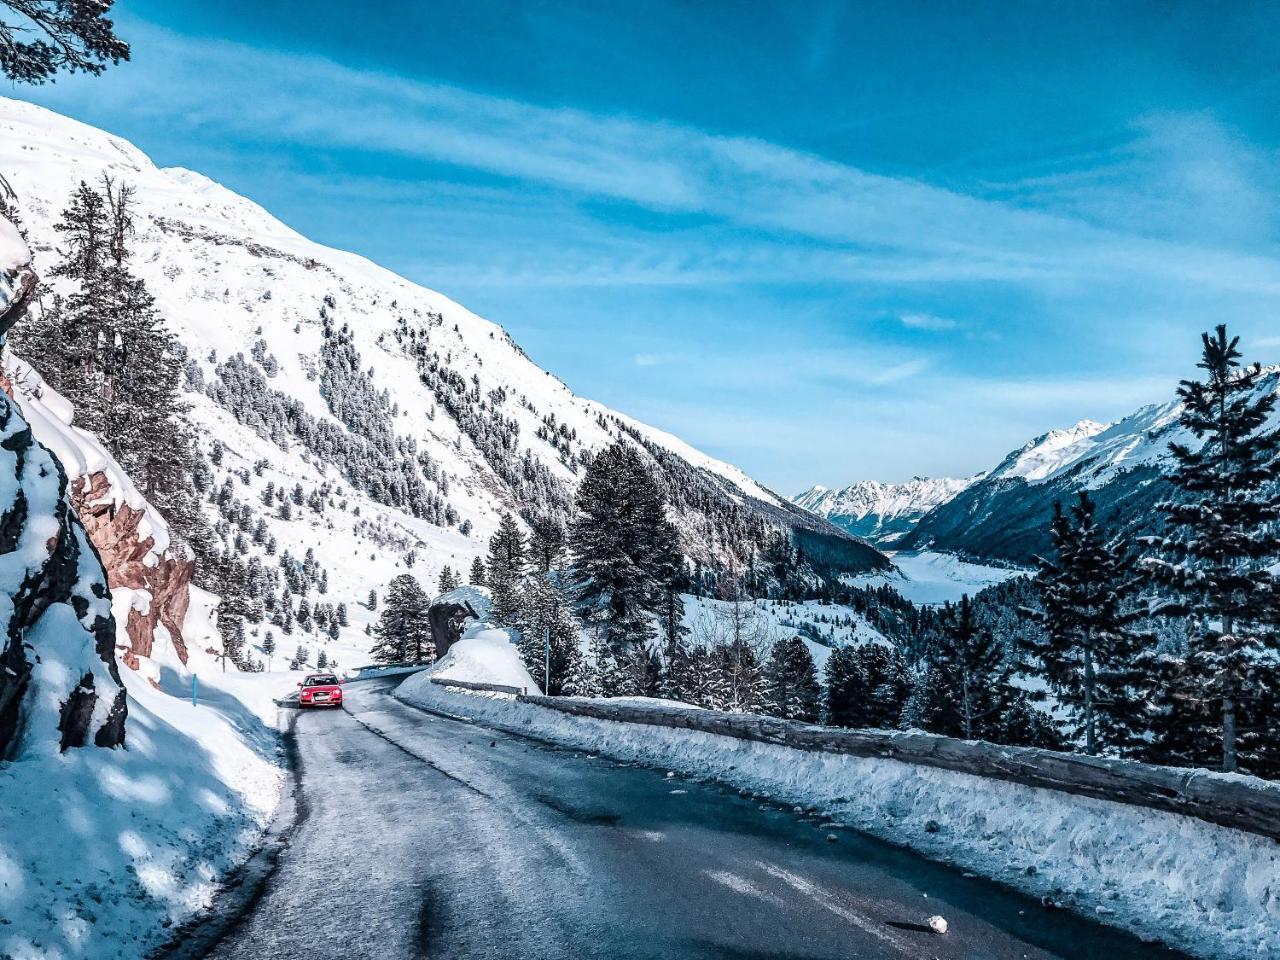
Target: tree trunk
1229,763
1090,737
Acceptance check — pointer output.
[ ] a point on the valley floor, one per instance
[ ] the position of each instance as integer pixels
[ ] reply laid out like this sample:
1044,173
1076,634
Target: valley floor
424,836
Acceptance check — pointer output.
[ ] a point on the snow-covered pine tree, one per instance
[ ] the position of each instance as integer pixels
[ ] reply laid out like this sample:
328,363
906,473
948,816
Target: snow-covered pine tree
926,707
842,673
1222,537
973,668
543,606
448,579
268,646
624,548
1089,652
506,569
403,633
792,691
547,542
477,578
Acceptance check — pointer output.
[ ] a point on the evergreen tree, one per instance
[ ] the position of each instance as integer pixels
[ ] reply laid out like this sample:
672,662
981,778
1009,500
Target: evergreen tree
792,691
1222,536
543,606
477,573
372,603
1022,725
268,647
506,569
448,579
623,546
403,632
974,670
343,618
1089,651
867,686
547,541
927,706
70,35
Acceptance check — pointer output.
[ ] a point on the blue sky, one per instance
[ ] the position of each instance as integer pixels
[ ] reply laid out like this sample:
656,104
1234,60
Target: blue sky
826,241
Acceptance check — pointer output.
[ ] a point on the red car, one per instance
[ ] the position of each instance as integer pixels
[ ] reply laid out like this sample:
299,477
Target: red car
320,690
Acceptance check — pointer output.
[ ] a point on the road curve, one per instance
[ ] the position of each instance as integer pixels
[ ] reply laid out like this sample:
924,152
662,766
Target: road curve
419,836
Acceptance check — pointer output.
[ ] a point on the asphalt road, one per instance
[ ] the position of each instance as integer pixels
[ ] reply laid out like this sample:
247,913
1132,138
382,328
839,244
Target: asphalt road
416,836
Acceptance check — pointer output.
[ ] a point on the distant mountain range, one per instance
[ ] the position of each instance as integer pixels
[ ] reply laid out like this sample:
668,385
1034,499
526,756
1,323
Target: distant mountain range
1003,515
881,512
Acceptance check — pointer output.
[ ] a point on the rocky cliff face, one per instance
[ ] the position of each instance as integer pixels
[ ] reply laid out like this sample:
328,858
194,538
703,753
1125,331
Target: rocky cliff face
58,674
132,562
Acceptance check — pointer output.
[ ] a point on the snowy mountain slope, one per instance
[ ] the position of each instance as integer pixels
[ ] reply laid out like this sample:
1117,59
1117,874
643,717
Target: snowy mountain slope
1005,514
880,512
409,422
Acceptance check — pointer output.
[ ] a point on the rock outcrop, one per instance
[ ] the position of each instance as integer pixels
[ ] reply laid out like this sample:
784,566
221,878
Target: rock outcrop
132,561
447,621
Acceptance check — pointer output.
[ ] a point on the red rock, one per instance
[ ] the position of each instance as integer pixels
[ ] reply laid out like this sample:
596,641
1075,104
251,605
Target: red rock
114,532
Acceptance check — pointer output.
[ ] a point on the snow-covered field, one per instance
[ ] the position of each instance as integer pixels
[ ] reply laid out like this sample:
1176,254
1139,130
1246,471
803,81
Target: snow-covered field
935,578
1205,889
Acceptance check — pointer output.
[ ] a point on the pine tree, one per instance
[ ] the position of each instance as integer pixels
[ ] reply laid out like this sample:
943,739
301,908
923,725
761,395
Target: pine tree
1222,536
792,691
372,603
71,35
268,647
477,573
544,607
926,707
843,687
403,632
343,618
506,568
974,670
623,546
1089,651
448,579
547,541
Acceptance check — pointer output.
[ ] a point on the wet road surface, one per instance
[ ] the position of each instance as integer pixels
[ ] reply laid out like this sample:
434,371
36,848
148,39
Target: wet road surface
419,836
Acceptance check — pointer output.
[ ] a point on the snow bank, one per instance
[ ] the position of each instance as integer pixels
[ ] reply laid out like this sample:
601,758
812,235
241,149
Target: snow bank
102,850
483,655
1202,888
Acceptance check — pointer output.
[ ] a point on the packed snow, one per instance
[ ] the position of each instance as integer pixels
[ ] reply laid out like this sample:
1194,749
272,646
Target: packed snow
1199,887
484,655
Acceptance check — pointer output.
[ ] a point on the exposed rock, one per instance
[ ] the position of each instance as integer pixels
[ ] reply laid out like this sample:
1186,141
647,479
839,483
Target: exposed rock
46,563
447,622
130,561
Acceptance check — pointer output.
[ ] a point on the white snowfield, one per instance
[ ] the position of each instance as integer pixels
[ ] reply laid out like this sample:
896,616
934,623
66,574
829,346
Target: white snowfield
931,578
1208,890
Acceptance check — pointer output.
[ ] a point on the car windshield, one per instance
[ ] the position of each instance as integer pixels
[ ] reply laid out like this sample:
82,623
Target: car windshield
320,681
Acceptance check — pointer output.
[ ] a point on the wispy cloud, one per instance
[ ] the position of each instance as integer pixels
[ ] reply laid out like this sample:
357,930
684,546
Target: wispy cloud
656,359
927,321
881,228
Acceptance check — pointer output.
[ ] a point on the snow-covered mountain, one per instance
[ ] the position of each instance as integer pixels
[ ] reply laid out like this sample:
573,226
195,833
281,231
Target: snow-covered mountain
881,512
408,422
1005,514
